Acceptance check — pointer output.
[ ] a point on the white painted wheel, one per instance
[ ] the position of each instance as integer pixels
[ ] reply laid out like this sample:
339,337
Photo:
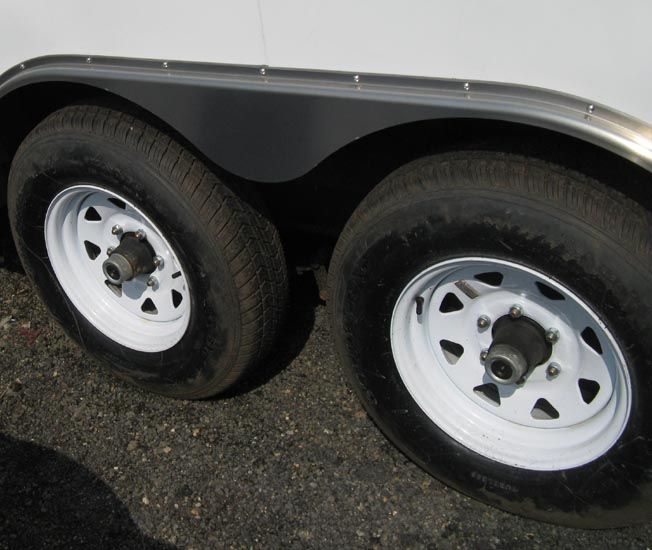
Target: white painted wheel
78,235
555,419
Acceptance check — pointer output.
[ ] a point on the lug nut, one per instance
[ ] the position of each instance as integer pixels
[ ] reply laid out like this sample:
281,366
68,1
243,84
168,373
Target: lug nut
515,311
553,370
552,335
484,321
483,355
158,262
140,235
152,282
116,230
110,250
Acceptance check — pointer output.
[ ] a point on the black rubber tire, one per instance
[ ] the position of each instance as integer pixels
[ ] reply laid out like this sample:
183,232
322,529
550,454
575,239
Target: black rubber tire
230,250
590,238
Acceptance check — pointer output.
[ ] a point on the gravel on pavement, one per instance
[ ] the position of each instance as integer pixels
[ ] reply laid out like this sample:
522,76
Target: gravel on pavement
287,459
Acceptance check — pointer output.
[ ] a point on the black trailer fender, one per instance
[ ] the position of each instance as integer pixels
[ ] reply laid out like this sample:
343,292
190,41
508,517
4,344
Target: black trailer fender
268,124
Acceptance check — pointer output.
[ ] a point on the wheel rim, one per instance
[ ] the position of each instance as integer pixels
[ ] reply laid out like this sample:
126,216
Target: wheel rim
79,232
567,411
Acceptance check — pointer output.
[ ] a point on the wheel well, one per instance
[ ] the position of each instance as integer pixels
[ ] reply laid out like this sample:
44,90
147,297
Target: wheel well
356,167
22,109
25,107
318,204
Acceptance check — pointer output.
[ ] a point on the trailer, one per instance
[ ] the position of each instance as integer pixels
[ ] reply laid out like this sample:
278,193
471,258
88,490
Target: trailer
473,176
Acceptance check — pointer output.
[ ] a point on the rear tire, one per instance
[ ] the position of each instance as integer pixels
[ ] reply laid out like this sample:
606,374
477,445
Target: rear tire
581,251
223,256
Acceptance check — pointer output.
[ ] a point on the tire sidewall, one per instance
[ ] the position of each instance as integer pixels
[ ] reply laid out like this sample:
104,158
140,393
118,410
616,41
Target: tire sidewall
470,219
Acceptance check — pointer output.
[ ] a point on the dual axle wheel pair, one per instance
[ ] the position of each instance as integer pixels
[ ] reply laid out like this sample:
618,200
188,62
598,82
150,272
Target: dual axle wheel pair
491,311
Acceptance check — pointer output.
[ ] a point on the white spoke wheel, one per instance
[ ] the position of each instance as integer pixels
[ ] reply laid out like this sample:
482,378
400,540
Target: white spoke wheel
492,312
150,312
145,257
567,411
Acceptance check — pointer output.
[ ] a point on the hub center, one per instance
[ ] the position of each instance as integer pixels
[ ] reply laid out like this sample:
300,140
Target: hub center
518,346
132,257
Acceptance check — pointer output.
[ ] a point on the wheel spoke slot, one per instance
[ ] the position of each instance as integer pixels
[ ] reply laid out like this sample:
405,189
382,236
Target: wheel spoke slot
452,351
116,289
92,215
92,249
177,298
117,202
589,389
491,278
543,410
176,275
149,307
488,392
549,292
450,303
591,339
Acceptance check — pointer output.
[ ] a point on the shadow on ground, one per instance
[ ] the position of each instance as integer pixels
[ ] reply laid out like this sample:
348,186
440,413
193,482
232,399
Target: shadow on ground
49,501
8,255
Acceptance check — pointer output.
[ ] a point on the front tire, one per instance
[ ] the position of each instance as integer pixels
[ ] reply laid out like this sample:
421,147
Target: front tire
445,252
204,294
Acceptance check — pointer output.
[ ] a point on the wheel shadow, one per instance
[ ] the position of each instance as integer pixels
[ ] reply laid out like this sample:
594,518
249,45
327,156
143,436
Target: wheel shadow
299,322
49,501
8,255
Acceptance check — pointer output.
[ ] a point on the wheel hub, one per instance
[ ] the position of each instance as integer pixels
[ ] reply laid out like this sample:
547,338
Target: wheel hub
518,346
132,257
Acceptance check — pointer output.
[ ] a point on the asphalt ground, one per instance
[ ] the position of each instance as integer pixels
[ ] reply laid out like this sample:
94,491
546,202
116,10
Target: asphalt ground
288,459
